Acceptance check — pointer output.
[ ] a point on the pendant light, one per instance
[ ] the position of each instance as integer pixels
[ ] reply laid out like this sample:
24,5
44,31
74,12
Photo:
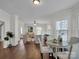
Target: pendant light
34,22
36,2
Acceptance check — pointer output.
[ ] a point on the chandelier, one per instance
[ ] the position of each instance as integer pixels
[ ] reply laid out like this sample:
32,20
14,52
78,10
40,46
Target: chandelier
36,2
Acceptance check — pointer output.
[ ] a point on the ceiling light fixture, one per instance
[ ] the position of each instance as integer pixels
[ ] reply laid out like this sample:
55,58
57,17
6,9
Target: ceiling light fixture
34,22
36,2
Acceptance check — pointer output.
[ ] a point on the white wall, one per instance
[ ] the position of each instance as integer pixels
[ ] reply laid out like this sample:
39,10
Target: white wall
15,28
5,17
11,23
22,25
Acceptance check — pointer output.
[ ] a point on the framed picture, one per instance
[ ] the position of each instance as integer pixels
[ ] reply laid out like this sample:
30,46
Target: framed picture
30,29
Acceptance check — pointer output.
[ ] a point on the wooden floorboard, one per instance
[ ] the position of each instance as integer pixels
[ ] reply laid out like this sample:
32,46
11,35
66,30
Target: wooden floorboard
27,51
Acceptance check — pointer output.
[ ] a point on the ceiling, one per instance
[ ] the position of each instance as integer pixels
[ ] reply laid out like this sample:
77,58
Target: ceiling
26,9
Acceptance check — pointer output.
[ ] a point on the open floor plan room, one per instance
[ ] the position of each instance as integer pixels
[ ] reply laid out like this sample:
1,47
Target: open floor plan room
39,29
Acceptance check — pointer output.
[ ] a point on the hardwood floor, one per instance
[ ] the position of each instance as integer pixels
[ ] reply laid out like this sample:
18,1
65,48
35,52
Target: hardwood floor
27,51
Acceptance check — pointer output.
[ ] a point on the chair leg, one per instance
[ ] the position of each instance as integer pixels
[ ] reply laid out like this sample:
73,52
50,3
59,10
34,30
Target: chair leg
70,52
51,56
41,55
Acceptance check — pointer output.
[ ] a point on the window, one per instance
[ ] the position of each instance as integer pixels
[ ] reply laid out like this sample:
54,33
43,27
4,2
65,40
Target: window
39,30
62,30
49,29
61,25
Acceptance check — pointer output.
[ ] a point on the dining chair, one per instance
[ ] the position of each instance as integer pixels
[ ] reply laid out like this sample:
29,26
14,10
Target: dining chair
45,50
73,40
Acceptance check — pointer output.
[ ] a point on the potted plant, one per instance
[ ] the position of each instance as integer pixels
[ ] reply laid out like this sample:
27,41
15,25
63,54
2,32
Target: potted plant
6,38
54,40
9,36
60,39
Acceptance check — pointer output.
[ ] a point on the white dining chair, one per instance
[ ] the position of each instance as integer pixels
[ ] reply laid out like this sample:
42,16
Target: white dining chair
73,40
45,49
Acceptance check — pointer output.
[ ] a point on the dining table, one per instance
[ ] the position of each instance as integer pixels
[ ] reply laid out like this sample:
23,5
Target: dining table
55,47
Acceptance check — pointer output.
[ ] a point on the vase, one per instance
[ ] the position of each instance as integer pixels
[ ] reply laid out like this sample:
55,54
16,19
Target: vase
5,44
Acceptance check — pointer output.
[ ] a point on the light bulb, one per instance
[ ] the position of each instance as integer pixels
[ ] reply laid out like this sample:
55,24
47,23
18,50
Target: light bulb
36,2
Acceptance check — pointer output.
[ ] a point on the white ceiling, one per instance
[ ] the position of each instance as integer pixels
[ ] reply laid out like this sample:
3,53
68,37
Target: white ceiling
26,9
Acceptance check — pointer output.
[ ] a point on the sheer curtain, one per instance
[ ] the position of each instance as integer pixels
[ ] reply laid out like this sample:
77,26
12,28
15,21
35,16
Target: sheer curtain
78,25
62,30
75,49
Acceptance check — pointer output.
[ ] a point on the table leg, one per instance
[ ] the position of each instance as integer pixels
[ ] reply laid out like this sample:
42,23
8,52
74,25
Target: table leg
41,55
